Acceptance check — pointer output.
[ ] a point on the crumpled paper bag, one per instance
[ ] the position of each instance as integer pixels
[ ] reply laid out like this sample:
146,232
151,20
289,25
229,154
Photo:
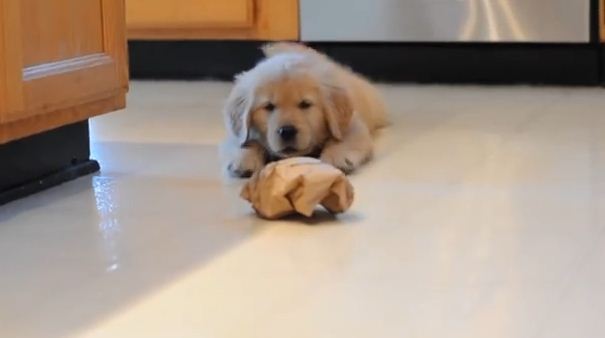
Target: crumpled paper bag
298,185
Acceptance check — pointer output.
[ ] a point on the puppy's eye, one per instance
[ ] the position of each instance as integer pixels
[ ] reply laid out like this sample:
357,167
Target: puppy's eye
269,107
304,104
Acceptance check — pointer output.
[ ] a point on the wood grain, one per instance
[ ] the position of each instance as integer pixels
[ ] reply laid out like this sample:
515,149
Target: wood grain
11,60
277,20
273,20
81,80
191,34
60,29
66,68
114,38
42,122
190,13
602,19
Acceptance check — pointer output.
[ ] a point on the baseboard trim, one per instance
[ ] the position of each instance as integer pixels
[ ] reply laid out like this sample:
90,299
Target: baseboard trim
57,178
42,161
479,63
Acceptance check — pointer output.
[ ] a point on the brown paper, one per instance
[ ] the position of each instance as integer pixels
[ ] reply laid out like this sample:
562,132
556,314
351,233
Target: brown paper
298,185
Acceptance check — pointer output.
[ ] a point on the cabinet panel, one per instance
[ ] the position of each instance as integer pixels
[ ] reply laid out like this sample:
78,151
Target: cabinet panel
190,13
60,29
211,19
11,60
61,62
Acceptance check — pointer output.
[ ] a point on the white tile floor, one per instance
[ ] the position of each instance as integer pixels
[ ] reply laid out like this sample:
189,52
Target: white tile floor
482,216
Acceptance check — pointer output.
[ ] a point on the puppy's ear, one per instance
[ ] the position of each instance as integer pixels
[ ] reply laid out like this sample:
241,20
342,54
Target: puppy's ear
338,110
237,110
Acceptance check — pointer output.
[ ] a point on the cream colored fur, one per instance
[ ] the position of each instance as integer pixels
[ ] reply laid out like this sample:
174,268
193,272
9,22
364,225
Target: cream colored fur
334,110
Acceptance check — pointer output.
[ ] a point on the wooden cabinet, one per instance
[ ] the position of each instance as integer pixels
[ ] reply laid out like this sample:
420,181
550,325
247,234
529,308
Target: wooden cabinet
602,19
61,61
213,19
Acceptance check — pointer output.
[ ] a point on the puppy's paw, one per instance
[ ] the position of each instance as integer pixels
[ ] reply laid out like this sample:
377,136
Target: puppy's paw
246,163
344,159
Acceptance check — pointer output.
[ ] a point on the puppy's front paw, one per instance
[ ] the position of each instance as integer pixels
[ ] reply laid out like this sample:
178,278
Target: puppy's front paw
246,163
345,160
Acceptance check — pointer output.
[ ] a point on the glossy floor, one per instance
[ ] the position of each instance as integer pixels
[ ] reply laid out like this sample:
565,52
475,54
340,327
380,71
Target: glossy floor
483,215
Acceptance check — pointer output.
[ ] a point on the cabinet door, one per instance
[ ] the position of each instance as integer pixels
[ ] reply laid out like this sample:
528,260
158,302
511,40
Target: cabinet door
213,19
602,19
178,14
61,61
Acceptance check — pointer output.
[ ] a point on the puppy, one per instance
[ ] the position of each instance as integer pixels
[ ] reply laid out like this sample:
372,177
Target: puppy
298,102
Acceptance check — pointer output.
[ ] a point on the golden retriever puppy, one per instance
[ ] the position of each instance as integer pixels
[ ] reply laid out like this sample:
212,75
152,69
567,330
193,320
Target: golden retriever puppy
298,102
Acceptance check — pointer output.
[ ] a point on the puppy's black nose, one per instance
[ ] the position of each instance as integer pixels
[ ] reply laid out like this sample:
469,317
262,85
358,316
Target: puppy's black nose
287,133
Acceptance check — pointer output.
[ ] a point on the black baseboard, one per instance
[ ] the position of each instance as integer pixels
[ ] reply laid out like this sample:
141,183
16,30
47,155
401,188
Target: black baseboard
191,59
493,63
45,160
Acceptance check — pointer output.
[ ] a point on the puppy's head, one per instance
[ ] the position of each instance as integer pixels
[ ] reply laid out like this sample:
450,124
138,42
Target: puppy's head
289,106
